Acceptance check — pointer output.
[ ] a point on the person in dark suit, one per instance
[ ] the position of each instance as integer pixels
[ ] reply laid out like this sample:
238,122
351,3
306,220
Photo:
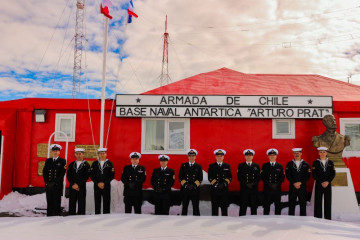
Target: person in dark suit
133,177
297,172
219,176
272,175
323,174
53,174
248,174
102,172
77,175
162,179
190,177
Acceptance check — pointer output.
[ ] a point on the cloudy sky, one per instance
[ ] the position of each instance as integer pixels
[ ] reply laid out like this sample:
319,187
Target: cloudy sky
259,36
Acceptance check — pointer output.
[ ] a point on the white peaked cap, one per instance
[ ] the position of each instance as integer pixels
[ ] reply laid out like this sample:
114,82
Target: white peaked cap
79,150
55,146
272,150
191,150
249,150
297,149
322,148
217,151
102,150
164,157
135,154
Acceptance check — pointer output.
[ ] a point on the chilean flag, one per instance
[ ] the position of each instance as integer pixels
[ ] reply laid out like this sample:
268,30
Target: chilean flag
104,8
131,12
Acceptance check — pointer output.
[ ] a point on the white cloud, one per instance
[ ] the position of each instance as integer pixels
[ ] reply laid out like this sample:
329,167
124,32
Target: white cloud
289,37
25,87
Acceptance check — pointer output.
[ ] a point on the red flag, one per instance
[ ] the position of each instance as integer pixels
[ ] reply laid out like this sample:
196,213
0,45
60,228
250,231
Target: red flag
104,8
131,12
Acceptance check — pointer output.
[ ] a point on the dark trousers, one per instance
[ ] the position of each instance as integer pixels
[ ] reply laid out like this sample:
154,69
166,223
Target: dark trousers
105,195
53,200
248,197
272,197
79,198
162,203
319,193
293,195
133,201
219,199
194,198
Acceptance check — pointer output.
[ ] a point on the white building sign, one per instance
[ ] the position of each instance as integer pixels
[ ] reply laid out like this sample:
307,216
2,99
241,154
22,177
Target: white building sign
215,106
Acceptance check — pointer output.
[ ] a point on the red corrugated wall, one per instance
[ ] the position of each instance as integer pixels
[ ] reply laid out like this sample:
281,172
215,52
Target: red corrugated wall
234,135
42,131
23,148
8,126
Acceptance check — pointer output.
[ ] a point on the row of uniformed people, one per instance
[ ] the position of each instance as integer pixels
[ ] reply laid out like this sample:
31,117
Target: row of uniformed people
101,173
190,176
297,172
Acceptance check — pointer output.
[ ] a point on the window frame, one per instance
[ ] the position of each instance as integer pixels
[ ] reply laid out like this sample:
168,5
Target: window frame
291,135
60,137
166,150
342,122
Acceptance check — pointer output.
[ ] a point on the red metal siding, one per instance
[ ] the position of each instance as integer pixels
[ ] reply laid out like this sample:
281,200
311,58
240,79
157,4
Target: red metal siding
23,149
42,131
8,126
234,135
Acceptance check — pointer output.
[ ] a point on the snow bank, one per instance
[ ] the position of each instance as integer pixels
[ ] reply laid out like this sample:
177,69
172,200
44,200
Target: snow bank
121,226
148,226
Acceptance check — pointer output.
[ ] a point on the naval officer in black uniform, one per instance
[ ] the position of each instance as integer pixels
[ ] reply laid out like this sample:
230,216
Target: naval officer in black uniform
133,177
219,176
297,172
77,175
102,172
162,179
53,173
323,171
272,175
248,174
190,177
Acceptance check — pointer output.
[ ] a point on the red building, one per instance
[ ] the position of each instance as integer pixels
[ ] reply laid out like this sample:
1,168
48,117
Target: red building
26,124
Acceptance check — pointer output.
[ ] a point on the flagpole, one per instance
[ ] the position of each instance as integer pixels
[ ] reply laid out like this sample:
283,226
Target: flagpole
103,83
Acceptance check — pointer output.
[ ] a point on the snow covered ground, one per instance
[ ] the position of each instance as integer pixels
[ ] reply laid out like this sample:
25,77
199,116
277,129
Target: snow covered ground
33,224
121,226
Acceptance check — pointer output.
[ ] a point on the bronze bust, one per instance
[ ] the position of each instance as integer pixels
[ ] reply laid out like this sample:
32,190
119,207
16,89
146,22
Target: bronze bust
334,141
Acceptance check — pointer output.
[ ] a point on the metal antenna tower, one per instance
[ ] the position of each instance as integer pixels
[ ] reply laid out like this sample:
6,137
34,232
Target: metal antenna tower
79,28
164,77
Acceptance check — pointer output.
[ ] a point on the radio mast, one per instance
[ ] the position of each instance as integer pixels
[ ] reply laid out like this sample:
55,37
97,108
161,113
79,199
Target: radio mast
164,77
79,36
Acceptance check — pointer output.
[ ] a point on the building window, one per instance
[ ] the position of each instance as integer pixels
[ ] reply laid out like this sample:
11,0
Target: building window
176,135
283,128
351,127
154,134
65,123
163,136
